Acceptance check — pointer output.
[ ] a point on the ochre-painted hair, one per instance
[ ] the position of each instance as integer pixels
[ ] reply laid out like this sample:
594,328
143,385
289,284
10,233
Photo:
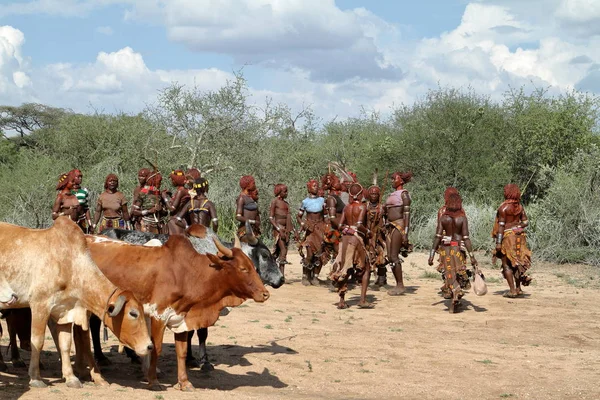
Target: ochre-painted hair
355,190
512,192
63,181
246,181
108,178
405,176
374,189
254,194
178,177
449,191
311,182
155,179
194,173
278,189
454,206
144,172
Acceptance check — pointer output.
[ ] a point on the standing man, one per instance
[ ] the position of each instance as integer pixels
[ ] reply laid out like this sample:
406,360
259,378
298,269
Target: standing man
354,254
281,220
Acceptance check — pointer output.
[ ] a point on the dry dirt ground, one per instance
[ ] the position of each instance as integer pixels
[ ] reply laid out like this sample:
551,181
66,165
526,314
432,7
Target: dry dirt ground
297,345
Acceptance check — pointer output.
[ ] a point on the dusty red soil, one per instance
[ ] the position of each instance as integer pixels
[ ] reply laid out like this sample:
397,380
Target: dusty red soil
297,345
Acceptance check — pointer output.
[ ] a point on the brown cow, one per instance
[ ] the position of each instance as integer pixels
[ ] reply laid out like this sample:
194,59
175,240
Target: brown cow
181,289
50,271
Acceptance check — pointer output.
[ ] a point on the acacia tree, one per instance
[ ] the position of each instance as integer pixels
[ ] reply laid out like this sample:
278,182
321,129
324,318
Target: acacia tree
27,118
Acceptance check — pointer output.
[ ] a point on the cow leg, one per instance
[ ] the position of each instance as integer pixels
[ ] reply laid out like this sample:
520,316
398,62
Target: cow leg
3,367
64,341
190,360
183,383
85,358
95,328
12,321
157,332
202,336
38,329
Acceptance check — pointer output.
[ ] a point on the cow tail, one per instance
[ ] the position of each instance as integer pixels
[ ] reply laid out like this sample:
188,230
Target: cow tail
105,334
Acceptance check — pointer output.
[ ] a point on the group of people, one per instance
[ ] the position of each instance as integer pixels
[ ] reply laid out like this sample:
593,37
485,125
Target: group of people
339,222
152,210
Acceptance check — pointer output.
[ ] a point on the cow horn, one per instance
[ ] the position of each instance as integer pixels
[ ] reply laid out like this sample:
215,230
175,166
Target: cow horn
252,240
236,242
221,247
118,306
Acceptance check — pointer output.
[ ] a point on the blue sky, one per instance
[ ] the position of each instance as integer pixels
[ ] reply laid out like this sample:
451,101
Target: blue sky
337,56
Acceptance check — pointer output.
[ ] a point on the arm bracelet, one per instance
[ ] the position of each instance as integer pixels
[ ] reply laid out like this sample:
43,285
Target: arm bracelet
499,238
431,253
214,219
524,223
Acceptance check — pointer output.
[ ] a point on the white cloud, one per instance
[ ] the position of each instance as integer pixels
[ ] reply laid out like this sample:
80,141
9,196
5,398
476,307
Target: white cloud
312,52
315,35
119,80
14,80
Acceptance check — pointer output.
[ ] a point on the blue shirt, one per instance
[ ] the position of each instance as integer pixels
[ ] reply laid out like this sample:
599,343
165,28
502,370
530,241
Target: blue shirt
313,204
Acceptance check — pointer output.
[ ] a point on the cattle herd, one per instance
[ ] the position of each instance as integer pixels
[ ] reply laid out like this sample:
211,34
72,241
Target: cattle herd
139,282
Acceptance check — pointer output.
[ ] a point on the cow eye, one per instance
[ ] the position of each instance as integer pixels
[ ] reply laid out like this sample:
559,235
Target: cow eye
244,270
133,314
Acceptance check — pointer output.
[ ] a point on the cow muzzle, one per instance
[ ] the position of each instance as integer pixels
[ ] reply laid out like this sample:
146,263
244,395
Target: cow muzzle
262,296
13,299
144,350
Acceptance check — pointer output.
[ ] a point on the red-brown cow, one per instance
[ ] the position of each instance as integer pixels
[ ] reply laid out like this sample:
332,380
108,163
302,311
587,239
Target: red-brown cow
180,288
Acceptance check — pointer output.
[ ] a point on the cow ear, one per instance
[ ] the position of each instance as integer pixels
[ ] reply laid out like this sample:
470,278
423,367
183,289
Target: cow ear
215,261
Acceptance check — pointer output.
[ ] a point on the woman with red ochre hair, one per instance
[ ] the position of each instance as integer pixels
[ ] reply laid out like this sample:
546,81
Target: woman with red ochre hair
511,240
397,215
314,227
174,204
453,229
111,206
66,202
247,208
281,220
148,204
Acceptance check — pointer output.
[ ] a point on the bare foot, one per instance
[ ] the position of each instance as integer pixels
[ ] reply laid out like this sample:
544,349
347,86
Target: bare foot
365,304
510,295
342,305
397,291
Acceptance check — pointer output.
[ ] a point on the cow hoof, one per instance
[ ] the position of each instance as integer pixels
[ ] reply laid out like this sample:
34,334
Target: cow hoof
37,384
305,281
103,361
157,387
184,387
207,367
25,346
192,363
3,367
74,383
21,364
